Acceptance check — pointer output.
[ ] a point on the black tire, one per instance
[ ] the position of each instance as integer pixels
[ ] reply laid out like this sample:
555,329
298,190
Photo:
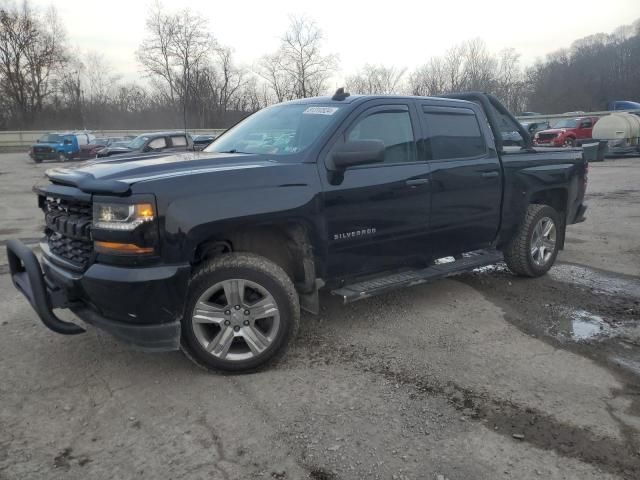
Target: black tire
266,274
37,160
517,253
62,157
570,142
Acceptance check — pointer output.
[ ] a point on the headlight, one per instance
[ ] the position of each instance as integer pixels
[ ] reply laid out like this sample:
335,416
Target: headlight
121,216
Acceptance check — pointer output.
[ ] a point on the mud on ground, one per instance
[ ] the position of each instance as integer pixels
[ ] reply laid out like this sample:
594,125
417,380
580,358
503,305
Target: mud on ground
484,376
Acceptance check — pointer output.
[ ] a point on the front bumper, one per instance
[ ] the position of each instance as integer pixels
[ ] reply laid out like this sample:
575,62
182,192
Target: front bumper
141,306
44,155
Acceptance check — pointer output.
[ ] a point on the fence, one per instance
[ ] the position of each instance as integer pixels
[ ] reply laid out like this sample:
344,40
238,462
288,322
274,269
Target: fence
23,139
551,117
10,140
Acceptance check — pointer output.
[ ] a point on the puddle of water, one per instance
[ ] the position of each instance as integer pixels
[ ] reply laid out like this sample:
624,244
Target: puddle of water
580,325
585,325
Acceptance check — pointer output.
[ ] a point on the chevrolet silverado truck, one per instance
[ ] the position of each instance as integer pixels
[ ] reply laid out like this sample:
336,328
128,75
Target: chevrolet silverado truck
216,252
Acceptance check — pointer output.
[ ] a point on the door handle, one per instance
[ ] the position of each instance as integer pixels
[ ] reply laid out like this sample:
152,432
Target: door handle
492,174
417,181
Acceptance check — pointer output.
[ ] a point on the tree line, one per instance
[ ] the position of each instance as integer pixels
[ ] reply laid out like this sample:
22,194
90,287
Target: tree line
193,80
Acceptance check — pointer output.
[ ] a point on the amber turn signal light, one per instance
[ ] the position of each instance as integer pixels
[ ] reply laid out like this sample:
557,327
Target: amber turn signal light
115,248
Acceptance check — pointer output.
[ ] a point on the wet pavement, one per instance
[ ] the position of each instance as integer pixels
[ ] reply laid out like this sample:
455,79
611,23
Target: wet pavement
481,376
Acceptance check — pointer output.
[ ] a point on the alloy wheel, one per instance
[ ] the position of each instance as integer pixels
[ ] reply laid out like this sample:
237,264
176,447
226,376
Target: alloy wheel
235,319
543,241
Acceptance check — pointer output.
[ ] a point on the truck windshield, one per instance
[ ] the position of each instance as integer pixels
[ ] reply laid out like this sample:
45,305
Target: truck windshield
50,138
566,123
138,142
277,130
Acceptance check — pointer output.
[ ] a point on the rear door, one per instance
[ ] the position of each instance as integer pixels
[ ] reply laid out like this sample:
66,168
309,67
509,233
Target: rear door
377,215
466,177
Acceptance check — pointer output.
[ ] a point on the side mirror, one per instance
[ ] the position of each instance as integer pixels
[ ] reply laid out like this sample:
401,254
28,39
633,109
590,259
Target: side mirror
147,149
358,152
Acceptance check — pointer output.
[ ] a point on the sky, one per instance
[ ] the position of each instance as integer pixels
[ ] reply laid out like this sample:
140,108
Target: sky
399,33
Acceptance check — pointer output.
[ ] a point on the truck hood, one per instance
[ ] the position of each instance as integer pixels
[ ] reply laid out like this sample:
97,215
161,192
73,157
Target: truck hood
115,176
553,130
113,150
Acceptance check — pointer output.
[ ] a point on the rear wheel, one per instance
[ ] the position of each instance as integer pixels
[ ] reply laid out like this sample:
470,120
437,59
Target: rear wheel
533,250
241,314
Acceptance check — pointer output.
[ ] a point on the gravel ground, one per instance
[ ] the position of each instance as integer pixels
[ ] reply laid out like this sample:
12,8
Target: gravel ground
484,376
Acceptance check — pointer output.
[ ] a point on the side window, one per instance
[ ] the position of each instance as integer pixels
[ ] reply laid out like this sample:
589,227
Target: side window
586,124
179,141
158,143
452,134
393,128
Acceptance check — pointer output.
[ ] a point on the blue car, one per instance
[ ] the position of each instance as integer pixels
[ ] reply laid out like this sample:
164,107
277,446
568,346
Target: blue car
59,146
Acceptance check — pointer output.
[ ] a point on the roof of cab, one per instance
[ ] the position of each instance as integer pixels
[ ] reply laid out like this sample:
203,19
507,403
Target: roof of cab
361,98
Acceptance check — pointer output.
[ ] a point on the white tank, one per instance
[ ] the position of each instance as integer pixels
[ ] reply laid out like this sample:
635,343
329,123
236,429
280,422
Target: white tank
618,126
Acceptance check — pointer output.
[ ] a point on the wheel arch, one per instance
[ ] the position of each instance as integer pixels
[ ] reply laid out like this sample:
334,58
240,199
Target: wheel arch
287,244
558,199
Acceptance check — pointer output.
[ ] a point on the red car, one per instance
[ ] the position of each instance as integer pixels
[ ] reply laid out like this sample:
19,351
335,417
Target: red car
567,132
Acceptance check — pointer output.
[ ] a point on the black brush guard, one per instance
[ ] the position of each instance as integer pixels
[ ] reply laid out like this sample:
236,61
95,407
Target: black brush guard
27,277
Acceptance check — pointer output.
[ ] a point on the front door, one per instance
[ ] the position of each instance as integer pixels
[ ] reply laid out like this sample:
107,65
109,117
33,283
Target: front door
585,127
377,215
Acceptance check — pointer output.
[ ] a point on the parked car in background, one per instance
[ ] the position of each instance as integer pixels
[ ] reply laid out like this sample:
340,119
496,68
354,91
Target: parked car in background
201,141
90,150
568,132
151,142
623,105
59,146
534,127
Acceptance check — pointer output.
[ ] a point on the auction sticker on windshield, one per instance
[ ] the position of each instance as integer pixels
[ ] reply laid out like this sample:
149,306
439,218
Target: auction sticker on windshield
321,110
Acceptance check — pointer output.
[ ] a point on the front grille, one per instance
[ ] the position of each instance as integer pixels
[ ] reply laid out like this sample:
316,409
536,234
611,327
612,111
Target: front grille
69,230
42,149
546,137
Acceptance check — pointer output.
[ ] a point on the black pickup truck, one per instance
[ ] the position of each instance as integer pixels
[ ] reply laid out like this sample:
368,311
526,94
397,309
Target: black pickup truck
216,252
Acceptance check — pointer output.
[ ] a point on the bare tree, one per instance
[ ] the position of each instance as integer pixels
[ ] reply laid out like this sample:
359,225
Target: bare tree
376,79
279,80
453,63
479,66
298,69
232,78
176,47
429,79
31,52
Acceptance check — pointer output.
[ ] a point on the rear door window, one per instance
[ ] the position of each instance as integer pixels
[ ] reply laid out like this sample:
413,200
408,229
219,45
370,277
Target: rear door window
179,141
452,133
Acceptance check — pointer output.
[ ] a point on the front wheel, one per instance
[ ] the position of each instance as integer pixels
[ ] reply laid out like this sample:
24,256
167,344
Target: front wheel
62,157
570,142
534,248
241,314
